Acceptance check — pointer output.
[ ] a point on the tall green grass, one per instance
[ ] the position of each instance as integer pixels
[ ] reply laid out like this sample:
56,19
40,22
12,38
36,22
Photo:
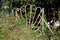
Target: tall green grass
10,29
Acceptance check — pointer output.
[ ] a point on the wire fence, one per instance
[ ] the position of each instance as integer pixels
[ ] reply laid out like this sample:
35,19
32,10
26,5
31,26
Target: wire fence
33,14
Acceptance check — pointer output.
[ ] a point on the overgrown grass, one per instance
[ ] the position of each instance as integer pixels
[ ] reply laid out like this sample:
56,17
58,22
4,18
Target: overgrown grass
10,29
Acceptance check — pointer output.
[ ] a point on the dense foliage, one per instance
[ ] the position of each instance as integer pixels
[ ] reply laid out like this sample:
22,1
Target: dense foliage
10,29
